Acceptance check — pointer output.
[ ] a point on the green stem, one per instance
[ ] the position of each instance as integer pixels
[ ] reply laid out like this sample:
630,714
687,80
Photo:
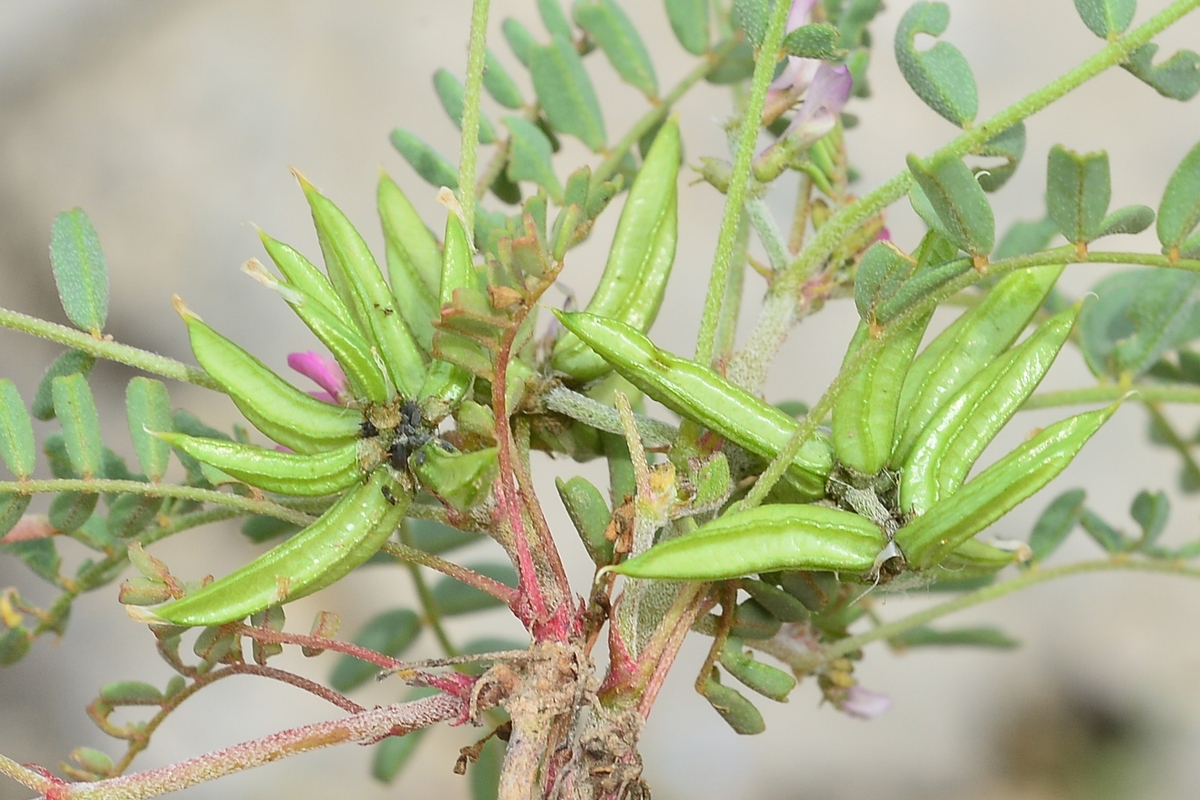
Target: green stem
411,555
1191,469
768,232
739,180
103,348
1149,393
654,116
433,614
472,92
95,486
1025,580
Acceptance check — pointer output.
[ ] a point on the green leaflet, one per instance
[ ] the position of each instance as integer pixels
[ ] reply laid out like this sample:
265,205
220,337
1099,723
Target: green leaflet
449,90
963,214
1179,210
17,446
604,21
427,162
940,76
530,156
148,408
1106,18
79,270
689,21
1177,78
566,93
76,411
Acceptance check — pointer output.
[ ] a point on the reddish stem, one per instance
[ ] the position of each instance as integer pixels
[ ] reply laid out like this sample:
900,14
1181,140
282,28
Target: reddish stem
268,636
403,552
363,728
666,657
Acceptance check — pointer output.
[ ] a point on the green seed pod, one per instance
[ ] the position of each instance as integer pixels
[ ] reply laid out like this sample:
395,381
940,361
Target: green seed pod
275,407
462,480
972,342
589,513
973,559
994,492
699,394
864,418
639,263
353,353
300,474
763,678
306,278
358,281
944,453
447,384
417,266
736,710
345,536
764,539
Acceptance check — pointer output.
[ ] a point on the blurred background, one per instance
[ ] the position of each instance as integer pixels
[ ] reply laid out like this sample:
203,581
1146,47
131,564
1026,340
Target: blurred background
173,126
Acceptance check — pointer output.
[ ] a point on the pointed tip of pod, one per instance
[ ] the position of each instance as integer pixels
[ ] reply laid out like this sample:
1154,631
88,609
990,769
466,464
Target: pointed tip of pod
182,310
254,268
145,616
302,179
447,198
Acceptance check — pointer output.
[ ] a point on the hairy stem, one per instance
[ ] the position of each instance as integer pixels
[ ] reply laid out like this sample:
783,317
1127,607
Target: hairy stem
739,180
995,591
95,486
472,92
106,349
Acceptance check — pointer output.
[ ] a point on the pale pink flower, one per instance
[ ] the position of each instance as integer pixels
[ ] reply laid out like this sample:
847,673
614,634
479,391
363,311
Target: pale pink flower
864,703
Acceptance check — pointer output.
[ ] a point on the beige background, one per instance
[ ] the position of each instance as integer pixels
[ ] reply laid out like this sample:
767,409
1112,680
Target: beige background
173,125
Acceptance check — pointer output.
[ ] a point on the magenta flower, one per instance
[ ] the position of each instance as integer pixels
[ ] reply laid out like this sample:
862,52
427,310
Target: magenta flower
324,372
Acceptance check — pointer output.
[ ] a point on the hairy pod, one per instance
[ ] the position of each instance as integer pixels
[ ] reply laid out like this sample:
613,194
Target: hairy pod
968,345
300,273
358,281
864,418
300,474
344,537
937,533
699,394
413,259
942,456
639,262
274,406
764,539
447,384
